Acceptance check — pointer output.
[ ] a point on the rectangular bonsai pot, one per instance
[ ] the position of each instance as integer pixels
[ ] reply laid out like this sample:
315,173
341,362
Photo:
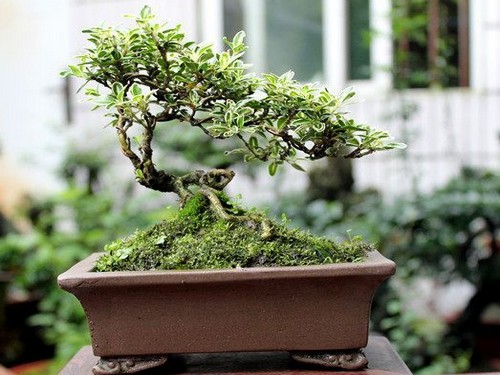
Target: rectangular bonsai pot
324,307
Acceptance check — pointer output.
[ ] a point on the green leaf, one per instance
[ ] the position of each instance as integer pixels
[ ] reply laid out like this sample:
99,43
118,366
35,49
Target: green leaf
236,151
146,12
272,168
325,97
75,71
91,92
104,100
247,158
136,89
397,145
194,97
297,166
238,38
117,88
287,77
271,78
253,142
240,121
347,94
282,121
224,60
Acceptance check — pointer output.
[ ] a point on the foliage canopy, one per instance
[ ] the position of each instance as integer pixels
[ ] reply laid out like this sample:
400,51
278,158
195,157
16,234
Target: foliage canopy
150,75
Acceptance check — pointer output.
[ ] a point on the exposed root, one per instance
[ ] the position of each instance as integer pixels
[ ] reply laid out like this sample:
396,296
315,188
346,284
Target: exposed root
216,179
219,209
210,184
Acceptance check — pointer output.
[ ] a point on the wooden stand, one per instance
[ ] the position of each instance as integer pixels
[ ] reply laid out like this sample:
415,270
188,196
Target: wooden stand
383,360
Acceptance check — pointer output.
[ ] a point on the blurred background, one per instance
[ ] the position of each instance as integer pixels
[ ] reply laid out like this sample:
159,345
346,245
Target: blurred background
427,71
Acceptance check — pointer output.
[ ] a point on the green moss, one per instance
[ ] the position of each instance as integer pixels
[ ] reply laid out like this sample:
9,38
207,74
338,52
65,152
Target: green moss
196,239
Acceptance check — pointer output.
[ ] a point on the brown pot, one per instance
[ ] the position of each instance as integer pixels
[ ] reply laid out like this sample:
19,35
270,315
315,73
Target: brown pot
308,308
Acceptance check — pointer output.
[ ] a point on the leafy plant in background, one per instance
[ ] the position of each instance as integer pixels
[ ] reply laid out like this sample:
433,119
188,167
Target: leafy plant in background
449,234
66,228
425,35
449,230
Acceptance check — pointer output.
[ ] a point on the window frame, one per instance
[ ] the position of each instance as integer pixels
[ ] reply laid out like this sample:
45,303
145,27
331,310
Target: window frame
335,37
335,41
335,53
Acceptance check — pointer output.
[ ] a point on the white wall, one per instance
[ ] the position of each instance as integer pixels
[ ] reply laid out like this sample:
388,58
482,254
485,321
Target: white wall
34,46
449,129
37,40
485,44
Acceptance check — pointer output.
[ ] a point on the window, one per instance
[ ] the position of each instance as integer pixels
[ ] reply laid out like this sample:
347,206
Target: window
282,34
430,43
320,40
359,64
336,41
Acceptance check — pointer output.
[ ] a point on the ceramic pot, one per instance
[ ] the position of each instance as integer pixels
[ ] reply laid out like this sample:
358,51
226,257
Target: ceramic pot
311,311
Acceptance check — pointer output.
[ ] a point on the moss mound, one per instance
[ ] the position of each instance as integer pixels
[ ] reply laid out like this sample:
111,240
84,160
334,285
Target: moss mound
197,239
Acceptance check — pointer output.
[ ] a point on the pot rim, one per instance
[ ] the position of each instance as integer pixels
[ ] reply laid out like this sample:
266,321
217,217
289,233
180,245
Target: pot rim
82,274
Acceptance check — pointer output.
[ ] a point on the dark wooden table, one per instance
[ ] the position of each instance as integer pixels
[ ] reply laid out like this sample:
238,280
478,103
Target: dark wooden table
383,360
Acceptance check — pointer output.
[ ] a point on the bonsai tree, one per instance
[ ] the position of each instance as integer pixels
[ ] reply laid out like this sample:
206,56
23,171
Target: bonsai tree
149,77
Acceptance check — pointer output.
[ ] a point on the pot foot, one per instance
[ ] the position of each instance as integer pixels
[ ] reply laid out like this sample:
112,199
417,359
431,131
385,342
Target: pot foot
127,365
339,359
